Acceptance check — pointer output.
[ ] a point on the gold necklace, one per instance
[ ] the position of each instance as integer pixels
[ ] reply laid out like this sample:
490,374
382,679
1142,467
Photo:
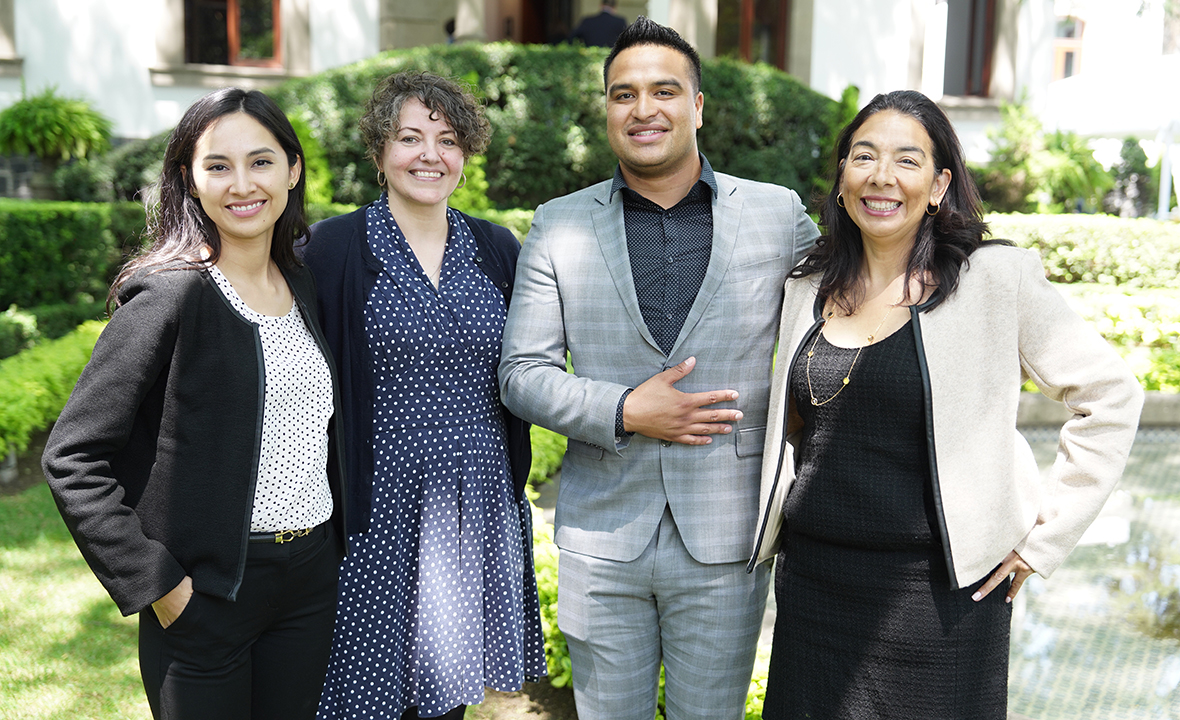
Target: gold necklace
847,375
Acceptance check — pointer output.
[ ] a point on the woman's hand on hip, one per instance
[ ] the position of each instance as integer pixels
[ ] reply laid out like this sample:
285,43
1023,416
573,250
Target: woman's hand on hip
169,607
1012,564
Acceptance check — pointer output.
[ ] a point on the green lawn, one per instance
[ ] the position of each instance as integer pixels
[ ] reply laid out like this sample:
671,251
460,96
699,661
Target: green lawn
65,651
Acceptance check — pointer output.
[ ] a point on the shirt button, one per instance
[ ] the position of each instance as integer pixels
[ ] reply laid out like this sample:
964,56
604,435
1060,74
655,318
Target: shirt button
666,443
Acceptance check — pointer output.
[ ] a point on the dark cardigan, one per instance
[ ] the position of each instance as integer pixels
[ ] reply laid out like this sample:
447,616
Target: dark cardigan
346,270
154,459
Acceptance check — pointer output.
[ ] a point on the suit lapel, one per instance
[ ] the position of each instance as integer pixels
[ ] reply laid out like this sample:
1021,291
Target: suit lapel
607,218
727,213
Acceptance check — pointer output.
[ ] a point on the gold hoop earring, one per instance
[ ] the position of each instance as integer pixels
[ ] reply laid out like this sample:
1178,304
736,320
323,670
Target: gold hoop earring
840,199
381,179
462,181
937,207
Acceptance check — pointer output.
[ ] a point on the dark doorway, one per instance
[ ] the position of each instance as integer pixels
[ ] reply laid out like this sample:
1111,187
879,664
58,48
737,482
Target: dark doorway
546,21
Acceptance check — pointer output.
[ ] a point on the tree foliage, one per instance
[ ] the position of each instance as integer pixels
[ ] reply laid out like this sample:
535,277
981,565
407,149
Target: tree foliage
1031,171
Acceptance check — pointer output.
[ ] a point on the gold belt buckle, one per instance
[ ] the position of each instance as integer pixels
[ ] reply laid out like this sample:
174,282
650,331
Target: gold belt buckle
289,535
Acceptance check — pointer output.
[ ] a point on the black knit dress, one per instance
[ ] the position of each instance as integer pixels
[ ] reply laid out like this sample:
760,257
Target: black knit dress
868,625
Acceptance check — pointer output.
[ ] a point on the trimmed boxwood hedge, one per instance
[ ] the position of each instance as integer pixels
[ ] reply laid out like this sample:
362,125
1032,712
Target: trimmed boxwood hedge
1098,248
545,105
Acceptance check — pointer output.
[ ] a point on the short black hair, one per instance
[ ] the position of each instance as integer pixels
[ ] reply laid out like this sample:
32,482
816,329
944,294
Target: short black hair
649,32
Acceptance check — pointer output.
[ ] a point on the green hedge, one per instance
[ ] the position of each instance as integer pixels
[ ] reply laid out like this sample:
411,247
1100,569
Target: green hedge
1098,248
35,384
116,176
545,105
52,252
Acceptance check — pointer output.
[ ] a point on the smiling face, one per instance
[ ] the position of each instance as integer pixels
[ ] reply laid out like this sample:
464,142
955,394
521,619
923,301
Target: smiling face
422,160
652,111
888,179
240,175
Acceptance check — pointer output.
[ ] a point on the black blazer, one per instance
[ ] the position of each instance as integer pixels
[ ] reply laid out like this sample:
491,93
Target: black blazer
154,459
346,271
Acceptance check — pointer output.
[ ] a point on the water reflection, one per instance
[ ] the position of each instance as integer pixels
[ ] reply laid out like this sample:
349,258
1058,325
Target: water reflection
1101,637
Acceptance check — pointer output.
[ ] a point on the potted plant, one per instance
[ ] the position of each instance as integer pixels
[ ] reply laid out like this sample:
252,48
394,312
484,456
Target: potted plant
55,129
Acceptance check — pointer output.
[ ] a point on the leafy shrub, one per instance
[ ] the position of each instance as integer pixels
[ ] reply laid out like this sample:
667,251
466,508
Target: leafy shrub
1136,190
545,559
1142,324
1098,248
548,450
53,127
18,331
545,105
121,174
35,384
54,321
472,196
55,252
315,164
1033,171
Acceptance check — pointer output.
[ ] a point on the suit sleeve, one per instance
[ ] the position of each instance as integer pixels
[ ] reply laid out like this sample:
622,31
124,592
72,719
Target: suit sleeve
130,357
805,232
1071,363
534,383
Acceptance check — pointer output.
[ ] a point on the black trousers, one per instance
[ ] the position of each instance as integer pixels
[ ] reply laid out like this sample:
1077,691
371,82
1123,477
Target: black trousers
261,657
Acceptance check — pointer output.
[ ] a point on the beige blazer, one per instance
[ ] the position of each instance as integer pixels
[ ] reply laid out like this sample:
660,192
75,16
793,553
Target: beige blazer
1004,324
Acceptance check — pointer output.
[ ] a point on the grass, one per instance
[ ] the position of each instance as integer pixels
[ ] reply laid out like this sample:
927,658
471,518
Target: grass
65,651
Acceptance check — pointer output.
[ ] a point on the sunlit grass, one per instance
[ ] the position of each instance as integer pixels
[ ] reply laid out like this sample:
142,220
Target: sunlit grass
65,651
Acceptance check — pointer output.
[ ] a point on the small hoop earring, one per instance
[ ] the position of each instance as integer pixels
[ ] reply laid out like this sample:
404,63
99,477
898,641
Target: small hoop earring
381,179
840,199
937,207
463,180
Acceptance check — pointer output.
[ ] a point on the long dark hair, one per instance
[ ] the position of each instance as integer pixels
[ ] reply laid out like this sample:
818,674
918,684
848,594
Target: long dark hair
178,225
944,240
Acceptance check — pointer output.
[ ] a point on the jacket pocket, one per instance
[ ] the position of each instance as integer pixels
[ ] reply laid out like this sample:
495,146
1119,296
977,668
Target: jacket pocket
749,441
577,447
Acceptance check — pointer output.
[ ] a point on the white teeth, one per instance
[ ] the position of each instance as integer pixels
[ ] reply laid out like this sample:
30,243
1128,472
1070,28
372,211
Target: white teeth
425,174
648,132
882,206
251,206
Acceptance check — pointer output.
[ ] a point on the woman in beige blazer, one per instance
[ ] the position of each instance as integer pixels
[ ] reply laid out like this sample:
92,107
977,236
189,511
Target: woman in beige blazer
896,490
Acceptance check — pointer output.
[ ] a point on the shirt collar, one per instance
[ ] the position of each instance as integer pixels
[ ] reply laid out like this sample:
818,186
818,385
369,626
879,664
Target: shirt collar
707,178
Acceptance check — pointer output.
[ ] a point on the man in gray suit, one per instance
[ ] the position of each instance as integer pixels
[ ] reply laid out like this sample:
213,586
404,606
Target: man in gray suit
664,285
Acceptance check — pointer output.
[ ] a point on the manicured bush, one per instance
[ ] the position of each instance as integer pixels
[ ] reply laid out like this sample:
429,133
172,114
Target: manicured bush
315,164
545,559
1098,248
121,174
18,331
546,108
35,384
548,451
54,252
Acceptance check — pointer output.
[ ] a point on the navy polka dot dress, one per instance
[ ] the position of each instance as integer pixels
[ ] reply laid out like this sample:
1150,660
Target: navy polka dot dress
435,601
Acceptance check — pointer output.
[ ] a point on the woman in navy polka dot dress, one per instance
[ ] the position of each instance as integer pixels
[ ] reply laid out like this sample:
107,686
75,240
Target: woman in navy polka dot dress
438,596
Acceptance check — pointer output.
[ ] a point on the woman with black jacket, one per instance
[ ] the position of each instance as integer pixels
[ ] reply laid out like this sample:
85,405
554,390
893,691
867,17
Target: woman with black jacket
196,462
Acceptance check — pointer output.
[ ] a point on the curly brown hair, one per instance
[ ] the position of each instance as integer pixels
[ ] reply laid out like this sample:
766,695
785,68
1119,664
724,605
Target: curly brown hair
442,96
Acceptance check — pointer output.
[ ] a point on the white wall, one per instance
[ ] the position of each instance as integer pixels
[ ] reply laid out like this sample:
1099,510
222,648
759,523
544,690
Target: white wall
102,52
343,32
98,51
866,43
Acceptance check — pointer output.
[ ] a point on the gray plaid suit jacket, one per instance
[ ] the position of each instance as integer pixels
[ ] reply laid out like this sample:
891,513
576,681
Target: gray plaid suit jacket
575,293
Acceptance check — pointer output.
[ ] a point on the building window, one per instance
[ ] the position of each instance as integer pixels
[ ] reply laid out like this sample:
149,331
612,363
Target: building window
970,42
1067,48
753,30
233,32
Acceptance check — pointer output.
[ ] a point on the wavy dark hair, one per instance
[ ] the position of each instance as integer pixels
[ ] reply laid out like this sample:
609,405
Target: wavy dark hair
944,241
177,224
649,32
442,96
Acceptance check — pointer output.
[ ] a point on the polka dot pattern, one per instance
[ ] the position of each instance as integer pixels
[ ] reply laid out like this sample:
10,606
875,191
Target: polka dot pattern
292,490
435,600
